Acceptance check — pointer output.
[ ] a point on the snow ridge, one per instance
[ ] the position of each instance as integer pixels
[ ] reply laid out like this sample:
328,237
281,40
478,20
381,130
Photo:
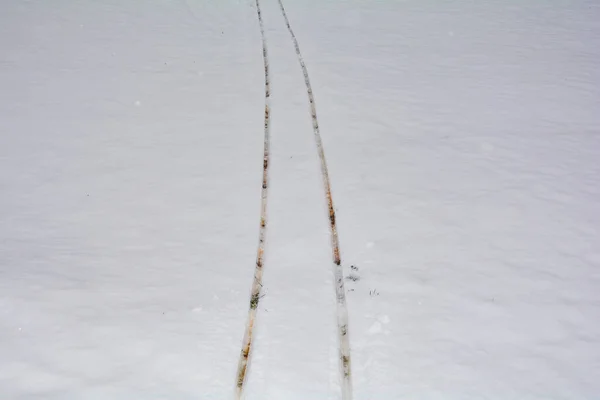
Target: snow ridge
255,296
341,305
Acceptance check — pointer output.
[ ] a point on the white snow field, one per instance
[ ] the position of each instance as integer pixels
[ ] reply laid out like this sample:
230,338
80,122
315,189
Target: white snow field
463,144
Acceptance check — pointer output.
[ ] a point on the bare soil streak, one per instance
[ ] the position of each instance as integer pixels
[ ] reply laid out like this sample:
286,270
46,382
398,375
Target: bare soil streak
341,309
246,353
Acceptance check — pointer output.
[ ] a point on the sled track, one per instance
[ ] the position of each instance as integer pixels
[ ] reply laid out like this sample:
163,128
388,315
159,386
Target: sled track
258,271
341,306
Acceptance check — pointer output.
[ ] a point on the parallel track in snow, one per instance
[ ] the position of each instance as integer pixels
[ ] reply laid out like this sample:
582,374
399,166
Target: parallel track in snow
341,305
244,360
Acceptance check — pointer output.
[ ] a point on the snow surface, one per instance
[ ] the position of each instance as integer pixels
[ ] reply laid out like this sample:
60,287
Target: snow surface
463,142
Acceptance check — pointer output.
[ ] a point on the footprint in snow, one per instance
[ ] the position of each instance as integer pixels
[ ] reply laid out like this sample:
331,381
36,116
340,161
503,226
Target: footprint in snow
378,325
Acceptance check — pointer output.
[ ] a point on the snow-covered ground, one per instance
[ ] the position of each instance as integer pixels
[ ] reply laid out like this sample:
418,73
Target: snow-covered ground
463,142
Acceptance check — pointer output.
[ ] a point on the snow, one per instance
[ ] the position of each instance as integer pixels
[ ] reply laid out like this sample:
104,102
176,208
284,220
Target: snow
462,139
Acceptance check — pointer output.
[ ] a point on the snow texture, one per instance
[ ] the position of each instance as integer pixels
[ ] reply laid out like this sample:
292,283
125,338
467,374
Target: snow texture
463,143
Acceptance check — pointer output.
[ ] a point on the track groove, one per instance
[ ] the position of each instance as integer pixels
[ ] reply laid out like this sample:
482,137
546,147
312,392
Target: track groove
341,306
255,296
